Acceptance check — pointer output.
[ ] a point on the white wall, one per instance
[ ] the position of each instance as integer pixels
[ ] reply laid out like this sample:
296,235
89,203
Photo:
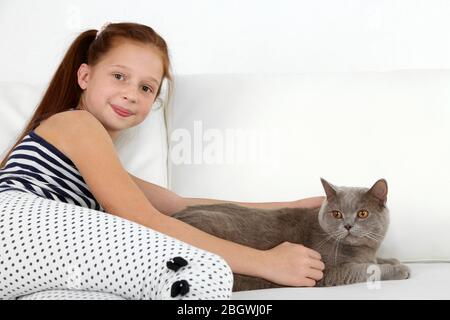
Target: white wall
233,36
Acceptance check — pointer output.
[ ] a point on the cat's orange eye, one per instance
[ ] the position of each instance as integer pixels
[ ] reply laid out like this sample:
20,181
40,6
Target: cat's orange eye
336,214
362,214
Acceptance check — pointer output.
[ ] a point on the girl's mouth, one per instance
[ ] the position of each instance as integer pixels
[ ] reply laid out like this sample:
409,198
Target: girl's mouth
121,111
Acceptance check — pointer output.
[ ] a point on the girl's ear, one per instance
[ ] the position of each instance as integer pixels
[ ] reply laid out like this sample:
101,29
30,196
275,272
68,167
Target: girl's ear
83,75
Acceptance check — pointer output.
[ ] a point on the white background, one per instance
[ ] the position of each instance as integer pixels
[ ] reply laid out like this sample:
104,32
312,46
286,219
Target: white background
231,36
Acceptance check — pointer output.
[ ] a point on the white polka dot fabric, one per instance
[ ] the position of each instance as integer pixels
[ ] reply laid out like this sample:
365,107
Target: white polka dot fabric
55,250
70,295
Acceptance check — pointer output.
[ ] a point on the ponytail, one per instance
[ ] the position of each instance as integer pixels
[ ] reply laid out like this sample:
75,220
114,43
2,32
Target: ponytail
63,92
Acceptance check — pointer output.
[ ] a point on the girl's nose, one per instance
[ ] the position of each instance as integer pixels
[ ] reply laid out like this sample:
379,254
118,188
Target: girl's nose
130,94
129,98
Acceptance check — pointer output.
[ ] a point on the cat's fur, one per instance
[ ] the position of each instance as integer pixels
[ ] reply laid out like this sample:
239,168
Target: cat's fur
348,254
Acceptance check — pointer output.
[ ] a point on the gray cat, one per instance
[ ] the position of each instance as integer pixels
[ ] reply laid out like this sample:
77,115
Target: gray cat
346,230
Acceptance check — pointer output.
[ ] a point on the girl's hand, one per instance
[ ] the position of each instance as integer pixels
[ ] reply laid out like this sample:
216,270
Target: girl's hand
292,264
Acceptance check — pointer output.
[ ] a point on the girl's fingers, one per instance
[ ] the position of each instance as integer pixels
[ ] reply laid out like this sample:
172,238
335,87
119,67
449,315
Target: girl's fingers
317,264
313,254
309,282
315,274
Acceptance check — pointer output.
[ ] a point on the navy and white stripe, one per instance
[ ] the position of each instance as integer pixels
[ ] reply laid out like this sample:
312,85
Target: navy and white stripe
36,166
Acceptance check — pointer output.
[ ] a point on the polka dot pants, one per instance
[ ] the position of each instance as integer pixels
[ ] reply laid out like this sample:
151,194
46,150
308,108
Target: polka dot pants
51,249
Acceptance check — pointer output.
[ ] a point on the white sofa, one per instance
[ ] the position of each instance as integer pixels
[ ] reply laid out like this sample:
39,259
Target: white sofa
271,137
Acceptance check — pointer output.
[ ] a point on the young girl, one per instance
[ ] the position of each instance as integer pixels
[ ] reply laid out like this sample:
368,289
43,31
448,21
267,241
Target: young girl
73,218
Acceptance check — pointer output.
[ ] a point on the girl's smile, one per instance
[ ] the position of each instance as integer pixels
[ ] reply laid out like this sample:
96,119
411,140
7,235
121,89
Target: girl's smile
123,112
123,85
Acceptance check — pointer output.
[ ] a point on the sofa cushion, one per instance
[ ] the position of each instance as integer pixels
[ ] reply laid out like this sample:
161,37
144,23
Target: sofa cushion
271,137
142,150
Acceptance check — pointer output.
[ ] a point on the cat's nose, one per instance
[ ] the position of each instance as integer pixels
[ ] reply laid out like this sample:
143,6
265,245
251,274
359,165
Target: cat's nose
348,226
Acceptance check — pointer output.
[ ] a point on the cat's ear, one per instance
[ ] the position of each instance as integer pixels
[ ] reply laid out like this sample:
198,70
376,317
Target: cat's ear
330,190
379,190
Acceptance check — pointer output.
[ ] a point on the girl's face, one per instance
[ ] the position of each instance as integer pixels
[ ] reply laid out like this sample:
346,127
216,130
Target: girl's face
128,77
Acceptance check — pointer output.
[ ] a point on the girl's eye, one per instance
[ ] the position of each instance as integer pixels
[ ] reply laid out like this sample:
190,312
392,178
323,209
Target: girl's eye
118,76
362,214
336,214
147,89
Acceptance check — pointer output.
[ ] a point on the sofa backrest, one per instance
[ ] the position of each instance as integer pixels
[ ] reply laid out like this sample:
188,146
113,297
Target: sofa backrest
142,150
271,137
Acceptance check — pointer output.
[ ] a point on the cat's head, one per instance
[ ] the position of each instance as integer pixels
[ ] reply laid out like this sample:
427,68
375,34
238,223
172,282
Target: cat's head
355,216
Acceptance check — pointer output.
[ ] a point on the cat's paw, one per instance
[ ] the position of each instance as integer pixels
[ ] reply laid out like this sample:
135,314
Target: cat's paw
400,272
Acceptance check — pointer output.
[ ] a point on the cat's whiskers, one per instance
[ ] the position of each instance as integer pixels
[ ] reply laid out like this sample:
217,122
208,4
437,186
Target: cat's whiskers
357,232
371,237
343,234
321,243
336,252
330,235
376,235
338,236
367,234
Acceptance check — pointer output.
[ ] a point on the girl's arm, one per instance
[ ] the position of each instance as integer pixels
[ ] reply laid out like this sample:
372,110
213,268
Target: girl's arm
314,202
85,141
168,202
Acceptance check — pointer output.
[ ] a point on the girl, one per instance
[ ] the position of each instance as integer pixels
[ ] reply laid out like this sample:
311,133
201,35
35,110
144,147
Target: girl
73,218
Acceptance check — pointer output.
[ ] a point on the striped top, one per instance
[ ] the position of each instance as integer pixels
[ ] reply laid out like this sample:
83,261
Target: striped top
38,167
